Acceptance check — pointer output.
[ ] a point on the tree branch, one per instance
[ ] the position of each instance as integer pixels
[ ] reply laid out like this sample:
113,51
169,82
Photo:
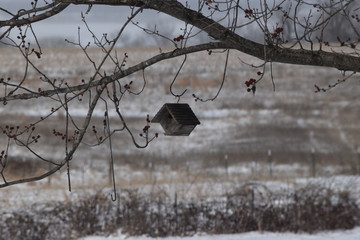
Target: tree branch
69,154
344,62
120,74
54,9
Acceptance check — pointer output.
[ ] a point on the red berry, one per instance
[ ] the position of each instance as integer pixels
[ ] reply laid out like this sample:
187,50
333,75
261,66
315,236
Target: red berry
279,30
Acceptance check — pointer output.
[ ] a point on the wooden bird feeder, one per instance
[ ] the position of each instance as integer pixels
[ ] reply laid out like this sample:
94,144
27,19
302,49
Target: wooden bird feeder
177,119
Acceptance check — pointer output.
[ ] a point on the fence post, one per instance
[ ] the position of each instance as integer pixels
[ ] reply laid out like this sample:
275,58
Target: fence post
187,171
270,163
358,165
226,166
49,177
151,167
176,214
82,176
313,162
252,201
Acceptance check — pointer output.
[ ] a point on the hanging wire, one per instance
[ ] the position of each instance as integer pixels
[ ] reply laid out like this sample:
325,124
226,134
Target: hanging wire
112,169
222,81
178,96
66,141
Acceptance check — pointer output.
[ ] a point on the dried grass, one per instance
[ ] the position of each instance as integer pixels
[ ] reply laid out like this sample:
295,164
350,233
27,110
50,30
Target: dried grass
252,207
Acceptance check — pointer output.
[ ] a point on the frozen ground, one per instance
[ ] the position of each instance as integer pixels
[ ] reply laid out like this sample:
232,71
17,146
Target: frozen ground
290,122
353,234
230,147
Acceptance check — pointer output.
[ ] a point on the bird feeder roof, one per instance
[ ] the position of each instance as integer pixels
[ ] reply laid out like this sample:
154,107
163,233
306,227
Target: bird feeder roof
180,112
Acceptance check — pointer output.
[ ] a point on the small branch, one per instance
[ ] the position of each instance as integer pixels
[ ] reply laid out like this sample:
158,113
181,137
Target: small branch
120,74
19,22
333,85
71,152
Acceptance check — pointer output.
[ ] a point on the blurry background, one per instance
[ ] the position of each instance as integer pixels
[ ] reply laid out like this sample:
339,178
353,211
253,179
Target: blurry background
102,19
248,149
293,130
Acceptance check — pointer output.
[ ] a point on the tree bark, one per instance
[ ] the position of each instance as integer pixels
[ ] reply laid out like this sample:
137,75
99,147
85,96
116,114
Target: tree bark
17,21
268,53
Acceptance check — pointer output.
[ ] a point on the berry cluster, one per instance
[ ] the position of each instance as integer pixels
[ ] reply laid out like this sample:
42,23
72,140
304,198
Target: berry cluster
35,138
80,97
145,132
105,119
179,38
128,85
251,85
248,13
146,128
12,131
346,43
123,64
277,32
95,132
197,98
59,134
33,3
208,2
356,17
2,79
3,156
21,37
63,136
38,54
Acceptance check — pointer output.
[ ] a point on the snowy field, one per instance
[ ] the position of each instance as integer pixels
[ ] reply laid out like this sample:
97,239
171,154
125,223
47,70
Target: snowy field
283,140
335,235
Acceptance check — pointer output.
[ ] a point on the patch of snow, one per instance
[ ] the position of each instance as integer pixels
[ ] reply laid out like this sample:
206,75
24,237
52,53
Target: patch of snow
353,234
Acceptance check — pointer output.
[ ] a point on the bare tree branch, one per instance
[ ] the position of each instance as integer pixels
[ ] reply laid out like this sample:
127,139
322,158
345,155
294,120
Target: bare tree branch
120,74
344,62
54,8
72,150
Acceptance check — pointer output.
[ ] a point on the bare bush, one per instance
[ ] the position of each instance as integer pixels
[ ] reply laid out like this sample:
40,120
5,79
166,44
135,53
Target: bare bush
252,207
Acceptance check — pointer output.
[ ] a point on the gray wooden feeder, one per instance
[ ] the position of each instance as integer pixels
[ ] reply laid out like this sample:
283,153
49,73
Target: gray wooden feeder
177,119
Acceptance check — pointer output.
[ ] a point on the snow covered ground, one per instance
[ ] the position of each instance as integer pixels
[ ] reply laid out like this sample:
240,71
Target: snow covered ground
353,234
228,149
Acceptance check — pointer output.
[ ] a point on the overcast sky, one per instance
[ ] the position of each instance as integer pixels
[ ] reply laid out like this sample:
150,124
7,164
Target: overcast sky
101,19
106,19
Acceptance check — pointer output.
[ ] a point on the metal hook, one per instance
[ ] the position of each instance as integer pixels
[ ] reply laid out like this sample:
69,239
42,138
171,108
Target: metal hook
113,195
173,81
